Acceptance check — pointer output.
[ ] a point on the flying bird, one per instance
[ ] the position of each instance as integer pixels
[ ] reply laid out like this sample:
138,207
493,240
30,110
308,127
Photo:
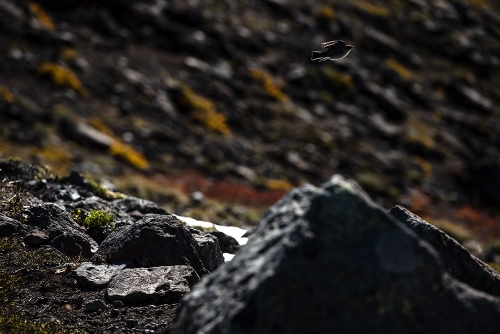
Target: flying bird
335,50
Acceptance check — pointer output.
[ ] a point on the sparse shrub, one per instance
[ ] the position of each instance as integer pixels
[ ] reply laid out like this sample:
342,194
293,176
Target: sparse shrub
203,111
62,76
97,218
270,86
42,16
11,198
36,259
400,69
371,9
6,95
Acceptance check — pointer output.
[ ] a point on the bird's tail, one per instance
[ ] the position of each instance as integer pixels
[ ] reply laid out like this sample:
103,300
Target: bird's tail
317,56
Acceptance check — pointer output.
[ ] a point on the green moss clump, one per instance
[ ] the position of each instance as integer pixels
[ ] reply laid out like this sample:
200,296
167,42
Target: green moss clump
101,191
39,258
19,323
96,218
8,286
6,245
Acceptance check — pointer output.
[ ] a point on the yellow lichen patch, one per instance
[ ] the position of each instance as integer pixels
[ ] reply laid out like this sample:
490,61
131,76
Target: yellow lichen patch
372,9
127,153
120,149
340,82
400,69
62,76
278,184
203,110
98,124
326,13
478,3
42,16
68,54
424,165
6,95
57,158
270,86
419,133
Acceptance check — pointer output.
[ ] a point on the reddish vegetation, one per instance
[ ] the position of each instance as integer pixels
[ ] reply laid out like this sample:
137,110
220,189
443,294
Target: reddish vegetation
228,191
483,225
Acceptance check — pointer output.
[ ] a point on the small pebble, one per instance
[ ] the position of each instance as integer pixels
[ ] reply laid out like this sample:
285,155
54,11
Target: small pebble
131,323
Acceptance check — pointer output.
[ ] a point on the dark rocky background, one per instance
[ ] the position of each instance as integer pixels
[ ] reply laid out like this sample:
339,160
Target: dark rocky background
221,97
213,109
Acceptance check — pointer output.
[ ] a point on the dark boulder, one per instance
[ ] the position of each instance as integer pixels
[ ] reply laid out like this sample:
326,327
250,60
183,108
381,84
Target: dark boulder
227,243
328,260
155,240
63,232
8,226
36,238
208,249
97,275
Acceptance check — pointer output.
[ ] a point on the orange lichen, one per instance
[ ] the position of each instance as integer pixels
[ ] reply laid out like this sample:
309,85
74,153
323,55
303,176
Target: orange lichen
57,158
203,111
120,149
270,86
400,69
6,95
127,153
326,13
278,184
62,76
42,16
68,54
369,8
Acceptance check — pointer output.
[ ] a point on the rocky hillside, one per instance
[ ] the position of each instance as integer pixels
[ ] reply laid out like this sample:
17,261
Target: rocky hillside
78,258
221,97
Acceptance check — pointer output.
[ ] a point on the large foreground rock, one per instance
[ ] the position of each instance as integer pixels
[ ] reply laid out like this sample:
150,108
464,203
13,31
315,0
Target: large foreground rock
154,241
328,260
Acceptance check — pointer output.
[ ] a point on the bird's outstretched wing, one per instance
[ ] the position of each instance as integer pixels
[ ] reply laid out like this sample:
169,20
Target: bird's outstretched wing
329,44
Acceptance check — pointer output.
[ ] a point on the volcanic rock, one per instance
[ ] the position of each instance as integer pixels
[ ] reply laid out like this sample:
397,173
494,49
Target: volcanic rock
63,232
329,260
155,240
165,284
